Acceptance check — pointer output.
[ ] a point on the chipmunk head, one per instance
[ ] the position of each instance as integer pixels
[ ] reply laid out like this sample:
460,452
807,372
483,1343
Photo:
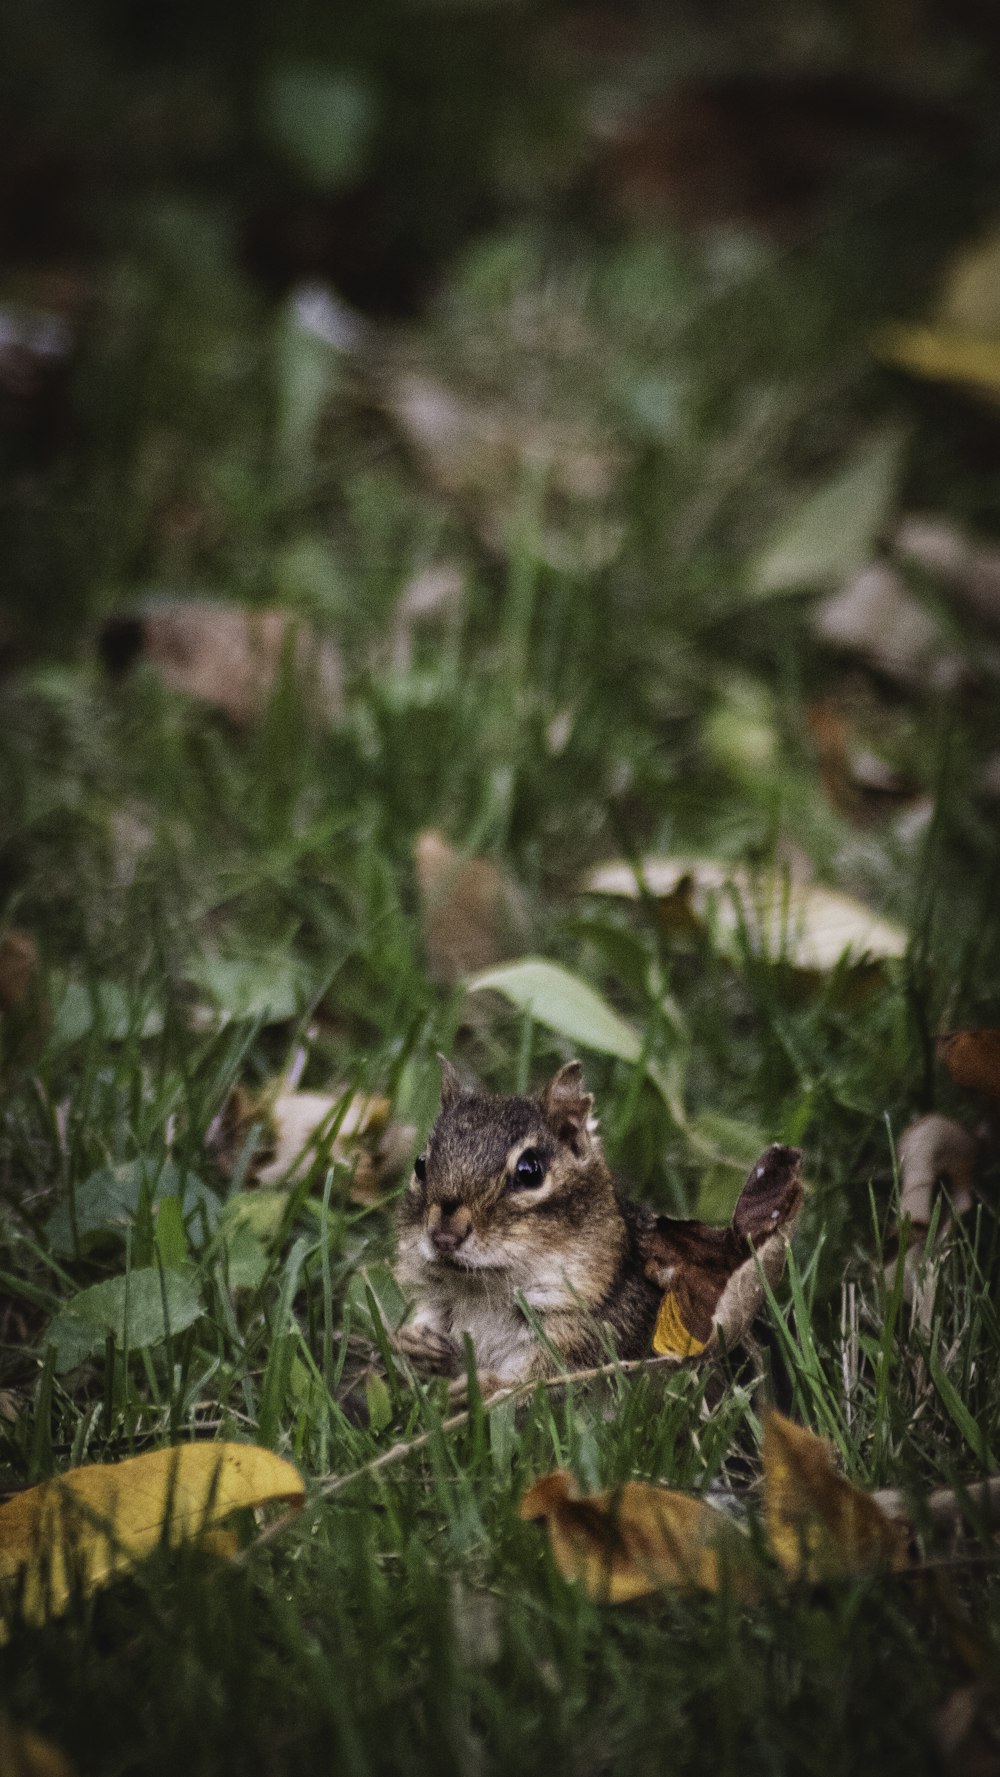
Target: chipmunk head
504,1184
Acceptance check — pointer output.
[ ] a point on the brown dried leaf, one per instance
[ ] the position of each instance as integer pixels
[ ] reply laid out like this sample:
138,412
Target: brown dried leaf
818,1524
227,656
711,1276
472,914
628,1541
972,1058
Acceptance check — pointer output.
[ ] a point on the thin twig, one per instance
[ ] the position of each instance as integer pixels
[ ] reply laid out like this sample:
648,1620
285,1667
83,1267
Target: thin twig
328,1485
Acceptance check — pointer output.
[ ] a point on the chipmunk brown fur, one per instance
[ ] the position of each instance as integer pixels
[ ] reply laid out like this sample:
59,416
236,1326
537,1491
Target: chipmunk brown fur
513,1216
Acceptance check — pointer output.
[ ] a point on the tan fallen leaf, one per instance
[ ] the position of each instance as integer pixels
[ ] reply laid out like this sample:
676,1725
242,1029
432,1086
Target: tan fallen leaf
876,617
228,656
628,1541
472,915
819,1525
712,1276
92,1523
969,571
294,1127
434,597
972,1058
484,447
935,1155
806,925
23,1753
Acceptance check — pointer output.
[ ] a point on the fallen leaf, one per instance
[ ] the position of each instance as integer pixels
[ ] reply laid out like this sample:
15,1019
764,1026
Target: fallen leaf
806,925
859,781
972,1058
878,618
295,1128
834,530
92,1523
819,1525
435,596
969,571
23,1753
484,447
712,1276
961,342
227,656
935,1155
472,915
940,355
628,1541
269,986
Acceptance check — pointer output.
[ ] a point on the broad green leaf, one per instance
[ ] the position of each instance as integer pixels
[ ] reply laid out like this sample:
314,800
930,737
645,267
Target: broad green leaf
114,1011
169,1236
322,120
129,1307
261,1211
270,987
246,1258
379,1404
833,532
106,1203
563,1003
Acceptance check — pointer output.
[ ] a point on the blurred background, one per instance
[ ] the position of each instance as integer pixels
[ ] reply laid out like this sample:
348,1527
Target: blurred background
502,430
285,289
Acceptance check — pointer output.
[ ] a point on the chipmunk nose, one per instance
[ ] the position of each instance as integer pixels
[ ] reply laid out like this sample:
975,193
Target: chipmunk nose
449,1224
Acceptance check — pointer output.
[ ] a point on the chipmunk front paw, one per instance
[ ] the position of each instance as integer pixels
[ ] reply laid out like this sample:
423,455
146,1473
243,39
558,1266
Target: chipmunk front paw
427,1346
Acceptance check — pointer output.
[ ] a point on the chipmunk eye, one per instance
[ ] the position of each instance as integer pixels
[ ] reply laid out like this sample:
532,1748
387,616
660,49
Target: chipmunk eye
420,1167
529,1170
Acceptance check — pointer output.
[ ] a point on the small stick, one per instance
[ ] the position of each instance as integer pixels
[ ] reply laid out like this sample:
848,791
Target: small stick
328,1485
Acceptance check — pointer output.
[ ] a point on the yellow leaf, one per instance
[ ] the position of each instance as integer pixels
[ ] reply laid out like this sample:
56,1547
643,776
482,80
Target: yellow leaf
23,1753
670,1336
635,1539
818,1524
91,1523
942,356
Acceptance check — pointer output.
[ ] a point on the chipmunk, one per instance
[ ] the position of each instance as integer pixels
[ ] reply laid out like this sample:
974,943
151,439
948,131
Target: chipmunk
513,1231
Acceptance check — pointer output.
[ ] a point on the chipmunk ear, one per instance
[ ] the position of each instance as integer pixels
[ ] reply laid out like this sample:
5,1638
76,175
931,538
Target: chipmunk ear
567,1106
451,1085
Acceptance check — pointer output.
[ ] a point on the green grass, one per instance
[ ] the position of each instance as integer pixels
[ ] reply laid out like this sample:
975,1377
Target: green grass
571,713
